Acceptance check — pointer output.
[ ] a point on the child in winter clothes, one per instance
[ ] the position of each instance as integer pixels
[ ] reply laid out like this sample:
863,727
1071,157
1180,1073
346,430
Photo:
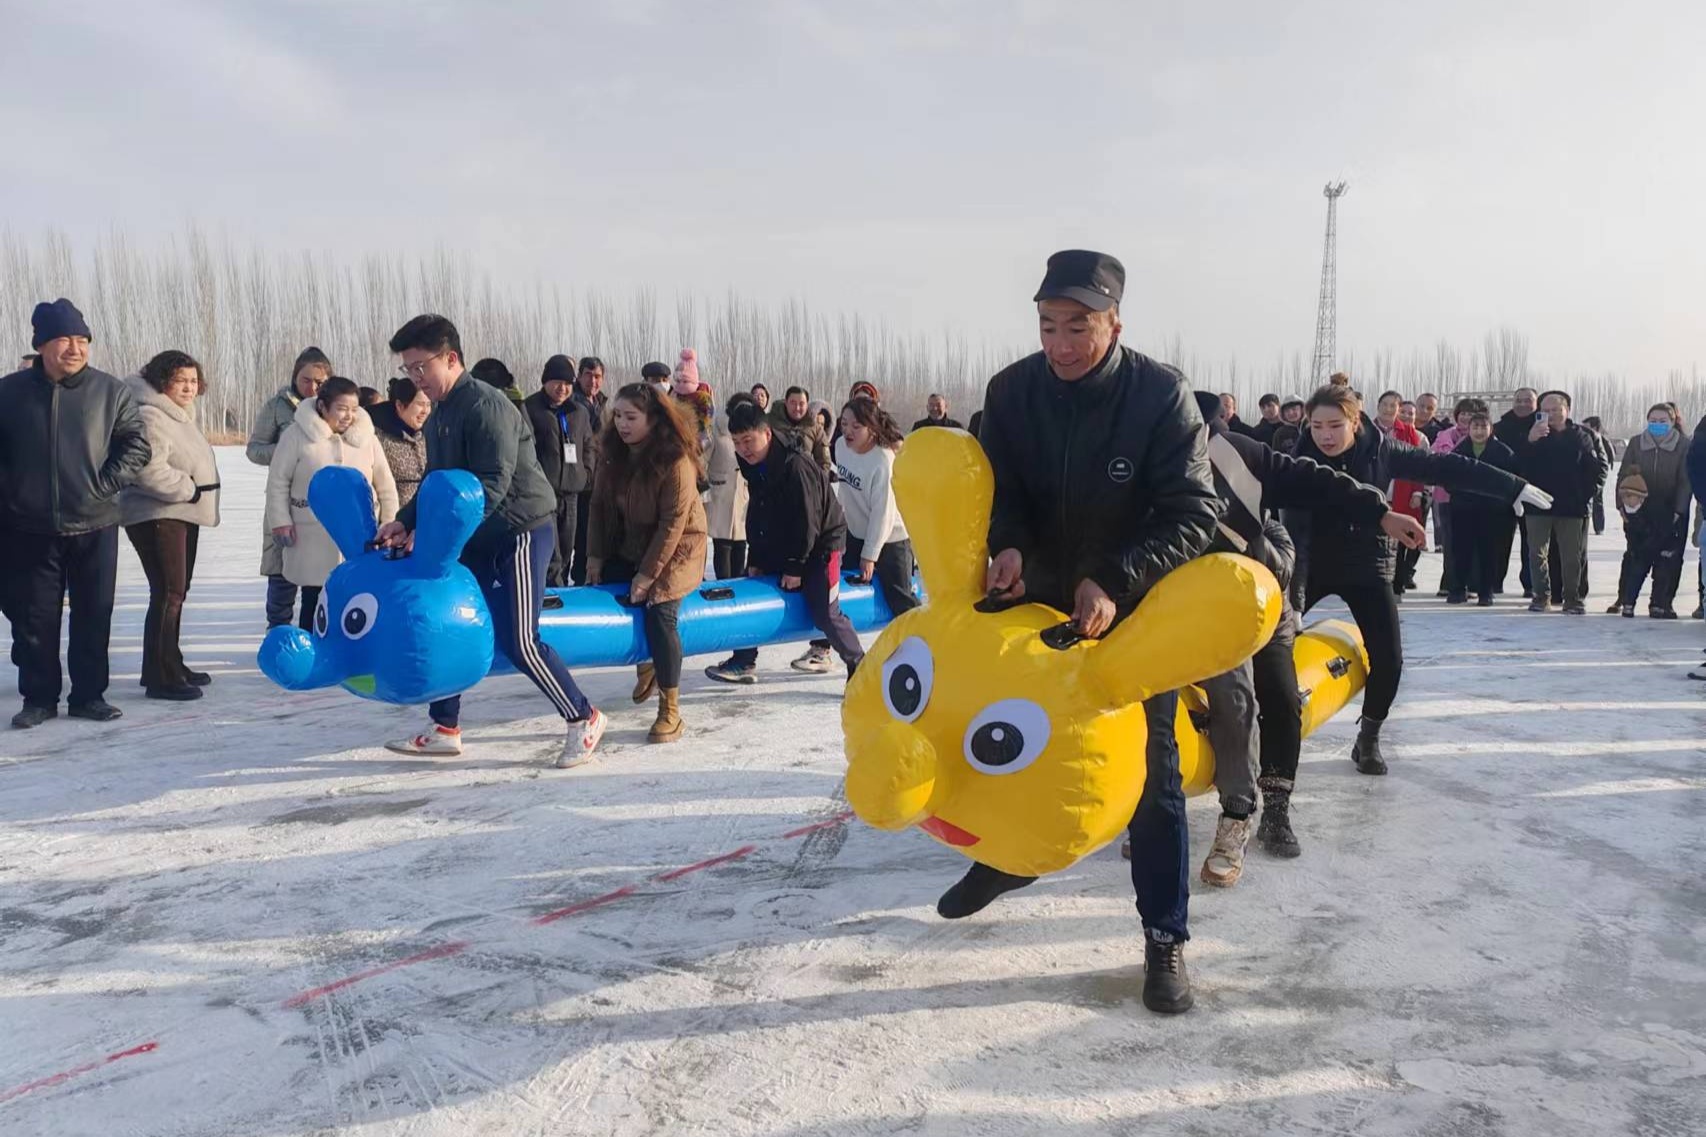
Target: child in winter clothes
693,398
330,429
1653,535
794,528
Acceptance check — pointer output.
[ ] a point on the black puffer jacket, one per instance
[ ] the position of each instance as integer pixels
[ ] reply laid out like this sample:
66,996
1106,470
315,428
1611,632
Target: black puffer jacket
1105,478
1567,465
1338,548
66,450
792,516
1277,481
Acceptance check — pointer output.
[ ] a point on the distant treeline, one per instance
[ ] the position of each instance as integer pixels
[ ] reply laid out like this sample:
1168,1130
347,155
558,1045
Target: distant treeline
245,312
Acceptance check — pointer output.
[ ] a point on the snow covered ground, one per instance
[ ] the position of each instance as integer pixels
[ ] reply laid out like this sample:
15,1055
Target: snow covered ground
244,917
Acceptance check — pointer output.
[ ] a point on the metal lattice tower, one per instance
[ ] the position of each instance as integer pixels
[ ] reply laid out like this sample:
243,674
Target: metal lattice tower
1327,313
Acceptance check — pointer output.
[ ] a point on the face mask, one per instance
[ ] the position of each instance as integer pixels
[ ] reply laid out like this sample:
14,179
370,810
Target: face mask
1658,429
1632,508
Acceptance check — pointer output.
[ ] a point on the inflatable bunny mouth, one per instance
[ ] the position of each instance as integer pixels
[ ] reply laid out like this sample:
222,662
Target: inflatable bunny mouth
948,833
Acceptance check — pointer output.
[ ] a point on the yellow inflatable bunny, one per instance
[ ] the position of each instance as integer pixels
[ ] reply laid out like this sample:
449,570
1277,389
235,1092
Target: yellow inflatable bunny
1022,755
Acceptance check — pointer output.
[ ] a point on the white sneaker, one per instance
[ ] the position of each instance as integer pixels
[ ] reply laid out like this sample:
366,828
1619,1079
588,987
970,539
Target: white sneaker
816,661
582,741
437,742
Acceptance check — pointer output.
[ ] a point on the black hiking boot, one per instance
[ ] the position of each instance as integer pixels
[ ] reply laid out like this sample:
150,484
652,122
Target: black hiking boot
1166,983
1365,751
1273,830
976,889
33,716
95,710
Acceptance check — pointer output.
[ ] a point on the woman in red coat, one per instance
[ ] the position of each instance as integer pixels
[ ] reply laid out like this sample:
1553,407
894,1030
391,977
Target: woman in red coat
1397,418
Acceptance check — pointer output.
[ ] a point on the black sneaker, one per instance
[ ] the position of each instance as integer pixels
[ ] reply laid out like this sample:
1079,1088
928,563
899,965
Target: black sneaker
95,710
33,716
1577,609
1486,601
1166,983
183,693
197,678
1662,612
1458,597
976,889
1627,611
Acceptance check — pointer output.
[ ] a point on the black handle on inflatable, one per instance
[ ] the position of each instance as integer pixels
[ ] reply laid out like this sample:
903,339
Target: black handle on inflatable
998,602
717,593
1062,636
392,552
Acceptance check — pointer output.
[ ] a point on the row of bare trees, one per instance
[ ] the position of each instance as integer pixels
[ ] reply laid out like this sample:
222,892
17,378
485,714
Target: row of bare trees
245,312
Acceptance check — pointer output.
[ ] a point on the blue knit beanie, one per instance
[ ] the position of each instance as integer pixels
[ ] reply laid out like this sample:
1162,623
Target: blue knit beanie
60,318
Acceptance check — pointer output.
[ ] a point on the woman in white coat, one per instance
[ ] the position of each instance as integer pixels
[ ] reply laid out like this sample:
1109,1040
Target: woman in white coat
330,430
164,511
726,509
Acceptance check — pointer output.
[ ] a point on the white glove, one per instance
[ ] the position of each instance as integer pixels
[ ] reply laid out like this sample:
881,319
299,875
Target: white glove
1533,498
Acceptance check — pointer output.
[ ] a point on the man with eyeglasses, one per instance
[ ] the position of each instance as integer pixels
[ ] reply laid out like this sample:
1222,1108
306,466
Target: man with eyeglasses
474,427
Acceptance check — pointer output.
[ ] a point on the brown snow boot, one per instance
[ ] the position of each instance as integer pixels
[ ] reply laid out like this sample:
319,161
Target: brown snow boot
669,726
645,682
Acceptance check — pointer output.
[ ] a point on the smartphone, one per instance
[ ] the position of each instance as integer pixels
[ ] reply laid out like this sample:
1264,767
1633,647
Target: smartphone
1539,416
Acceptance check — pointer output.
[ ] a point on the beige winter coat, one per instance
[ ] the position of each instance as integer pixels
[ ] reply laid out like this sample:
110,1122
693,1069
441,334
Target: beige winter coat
303,450
727,509
181,460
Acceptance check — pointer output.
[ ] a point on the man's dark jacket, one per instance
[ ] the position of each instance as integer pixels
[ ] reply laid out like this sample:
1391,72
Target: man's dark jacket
66,449
1567,465
476,428
793,517
1105,478
547,423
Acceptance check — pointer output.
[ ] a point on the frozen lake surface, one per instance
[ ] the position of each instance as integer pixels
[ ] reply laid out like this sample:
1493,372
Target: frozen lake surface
242,916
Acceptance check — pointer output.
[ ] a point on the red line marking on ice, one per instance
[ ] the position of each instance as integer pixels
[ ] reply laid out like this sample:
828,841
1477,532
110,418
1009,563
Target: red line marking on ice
830,823
445,950
712,862
586,905
76,1071
440,952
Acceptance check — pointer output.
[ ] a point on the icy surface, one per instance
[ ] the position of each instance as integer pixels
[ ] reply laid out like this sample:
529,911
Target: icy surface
1504,936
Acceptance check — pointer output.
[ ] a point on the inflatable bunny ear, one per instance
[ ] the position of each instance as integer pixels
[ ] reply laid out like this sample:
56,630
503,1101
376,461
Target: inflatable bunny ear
449,507
945,488
342,501
1222,606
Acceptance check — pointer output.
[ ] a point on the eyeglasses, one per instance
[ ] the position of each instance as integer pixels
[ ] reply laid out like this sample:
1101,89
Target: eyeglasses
418,370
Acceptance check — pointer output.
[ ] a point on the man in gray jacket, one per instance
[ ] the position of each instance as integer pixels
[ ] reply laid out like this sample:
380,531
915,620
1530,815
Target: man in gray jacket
70,439
474,427
312,368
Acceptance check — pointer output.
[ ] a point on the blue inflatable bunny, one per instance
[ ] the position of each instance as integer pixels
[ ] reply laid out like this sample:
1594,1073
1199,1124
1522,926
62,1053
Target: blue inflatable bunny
397,628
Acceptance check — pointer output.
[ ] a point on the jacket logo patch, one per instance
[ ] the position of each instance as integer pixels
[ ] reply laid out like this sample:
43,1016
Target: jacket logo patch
1120,470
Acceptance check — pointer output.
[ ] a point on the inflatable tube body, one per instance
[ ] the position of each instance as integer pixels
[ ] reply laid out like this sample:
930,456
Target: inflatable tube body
414,628
1331,670
591,627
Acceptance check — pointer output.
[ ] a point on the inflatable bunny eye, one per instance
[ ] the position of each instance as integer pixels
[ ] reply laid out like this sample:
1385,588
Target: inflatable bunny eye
321,618
1007,736
907,677
359,615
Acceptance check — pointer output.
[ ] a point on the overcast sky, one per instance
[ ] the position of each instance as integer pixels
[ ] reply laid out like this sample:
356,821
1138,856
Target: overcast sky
1542,165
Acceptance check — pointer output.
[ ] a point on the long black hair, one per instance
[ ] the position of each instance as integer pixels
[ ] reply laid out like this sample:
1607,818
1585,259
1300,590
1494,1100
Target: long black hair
879,422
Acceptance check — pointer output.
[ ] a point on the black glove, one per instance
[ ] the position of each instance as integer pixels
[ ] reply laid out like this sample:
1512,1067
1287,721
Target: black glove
199,490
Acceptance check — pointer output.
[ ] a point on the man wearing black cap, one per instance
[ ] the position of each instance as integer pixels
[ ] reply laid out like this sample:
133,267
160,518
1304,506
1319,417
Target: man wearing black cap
70,439
1102,486
562,437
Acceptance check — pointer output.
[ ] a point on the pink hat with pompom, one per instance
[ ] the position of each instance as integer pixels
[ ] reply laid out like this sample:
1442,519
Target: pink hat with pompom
689,365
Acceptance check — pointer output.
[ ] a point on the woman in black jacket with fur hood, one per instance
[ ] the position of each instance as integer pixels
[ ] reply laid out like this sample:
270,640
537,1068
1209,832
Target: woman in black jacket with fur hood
1347,558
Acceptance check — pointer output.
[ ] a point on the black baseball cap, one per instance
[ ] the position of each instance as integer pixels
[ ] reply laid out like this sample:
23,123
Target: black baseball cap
1095,280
